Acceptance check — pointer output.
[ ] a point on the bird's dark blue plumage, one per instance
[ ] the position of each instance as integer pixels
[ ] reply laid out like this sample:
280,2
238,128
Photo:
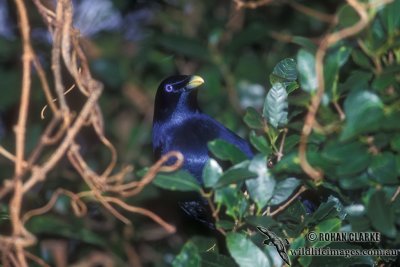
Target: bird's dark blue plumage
179,124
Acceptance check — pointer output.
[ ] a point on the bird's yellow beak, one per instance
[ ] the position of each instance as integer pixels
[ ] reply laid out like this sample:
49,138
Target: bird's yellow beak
195,81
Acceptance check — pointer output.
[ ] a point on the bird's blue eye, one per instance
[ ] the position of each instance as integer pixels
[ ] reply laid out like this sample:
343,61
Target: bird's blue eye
169,88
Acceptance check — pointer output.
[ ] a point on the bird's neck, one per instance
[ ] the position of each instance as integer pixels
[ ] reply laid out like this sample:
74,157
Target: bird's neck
184,107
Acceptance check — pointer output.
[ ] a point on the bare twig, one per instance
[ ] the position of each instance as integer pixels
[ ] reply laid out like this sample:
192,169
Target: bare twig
312,12
287,203
251,4
280,152
395,195
328,41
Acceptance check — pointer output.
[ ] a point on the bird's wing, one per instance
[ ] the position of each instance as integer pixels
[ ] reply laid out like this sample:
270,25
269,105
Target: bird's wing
229,136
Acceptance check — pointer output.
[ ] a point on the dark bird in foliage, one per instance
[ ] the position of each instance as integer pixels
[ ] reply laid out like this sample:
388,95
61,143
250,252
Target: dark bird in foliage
179,124
275,240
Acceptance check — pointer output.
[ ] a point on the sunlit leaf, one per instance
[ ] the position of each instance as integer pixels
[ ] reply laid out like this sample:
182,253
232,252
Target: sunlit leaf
364,111
262,187
285,72
306,70
245,252
211,173
283,190
276,106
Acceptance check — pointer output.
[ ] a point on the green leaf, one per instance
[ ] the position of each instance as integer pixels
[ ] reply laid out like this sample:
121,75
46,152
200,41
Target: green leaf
216,260
233,199
361,59
261,188
383,81
306,43
226,151
306,69
188,257
179,180
381,214
50,225
390,17
358,80
245,252
253,119
335,59
276,106
383,168
347,16
211,173
348,158
225,224
285,72
395,143
265,221
236,174
260,143
325,211
364,111
283,190
327,226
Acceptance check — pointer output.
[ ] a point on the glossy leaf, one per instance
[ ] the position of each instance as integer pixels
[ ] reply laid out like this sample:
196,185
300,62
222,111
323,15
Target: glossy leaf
382,219
276,106
260,143
306,70
262,187
177,181
238,173
211,173
253,119
383,169
284,190
226,151
335,59
364,111
285,72
233,200
245,252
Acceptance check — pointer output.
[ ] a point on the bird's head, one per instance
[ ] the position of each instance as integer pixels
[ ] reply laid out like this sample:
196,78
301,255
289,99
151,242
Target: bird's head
177,94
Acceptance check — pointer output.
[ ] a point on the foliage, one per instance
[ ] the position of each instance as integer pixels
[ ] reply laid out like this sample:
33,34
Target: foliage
357,154
260,68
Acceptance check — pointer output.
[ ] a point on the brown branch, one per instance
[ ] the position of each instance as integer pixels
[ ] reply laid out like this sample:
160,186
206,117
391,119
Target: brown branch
56,64
39,173
312,12
36,259
395,195
287,203
328,41
280,152
16,201
168,227
74,198
251,4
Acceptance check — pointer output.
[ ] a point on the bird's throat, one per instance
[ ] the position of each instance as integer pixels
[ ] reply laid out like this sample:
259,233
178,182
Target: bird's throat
179,108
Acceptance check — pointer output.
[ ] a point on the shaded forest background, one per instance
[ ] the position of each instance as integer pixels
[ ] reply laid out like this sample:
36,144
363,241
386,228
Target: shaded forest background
130,46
